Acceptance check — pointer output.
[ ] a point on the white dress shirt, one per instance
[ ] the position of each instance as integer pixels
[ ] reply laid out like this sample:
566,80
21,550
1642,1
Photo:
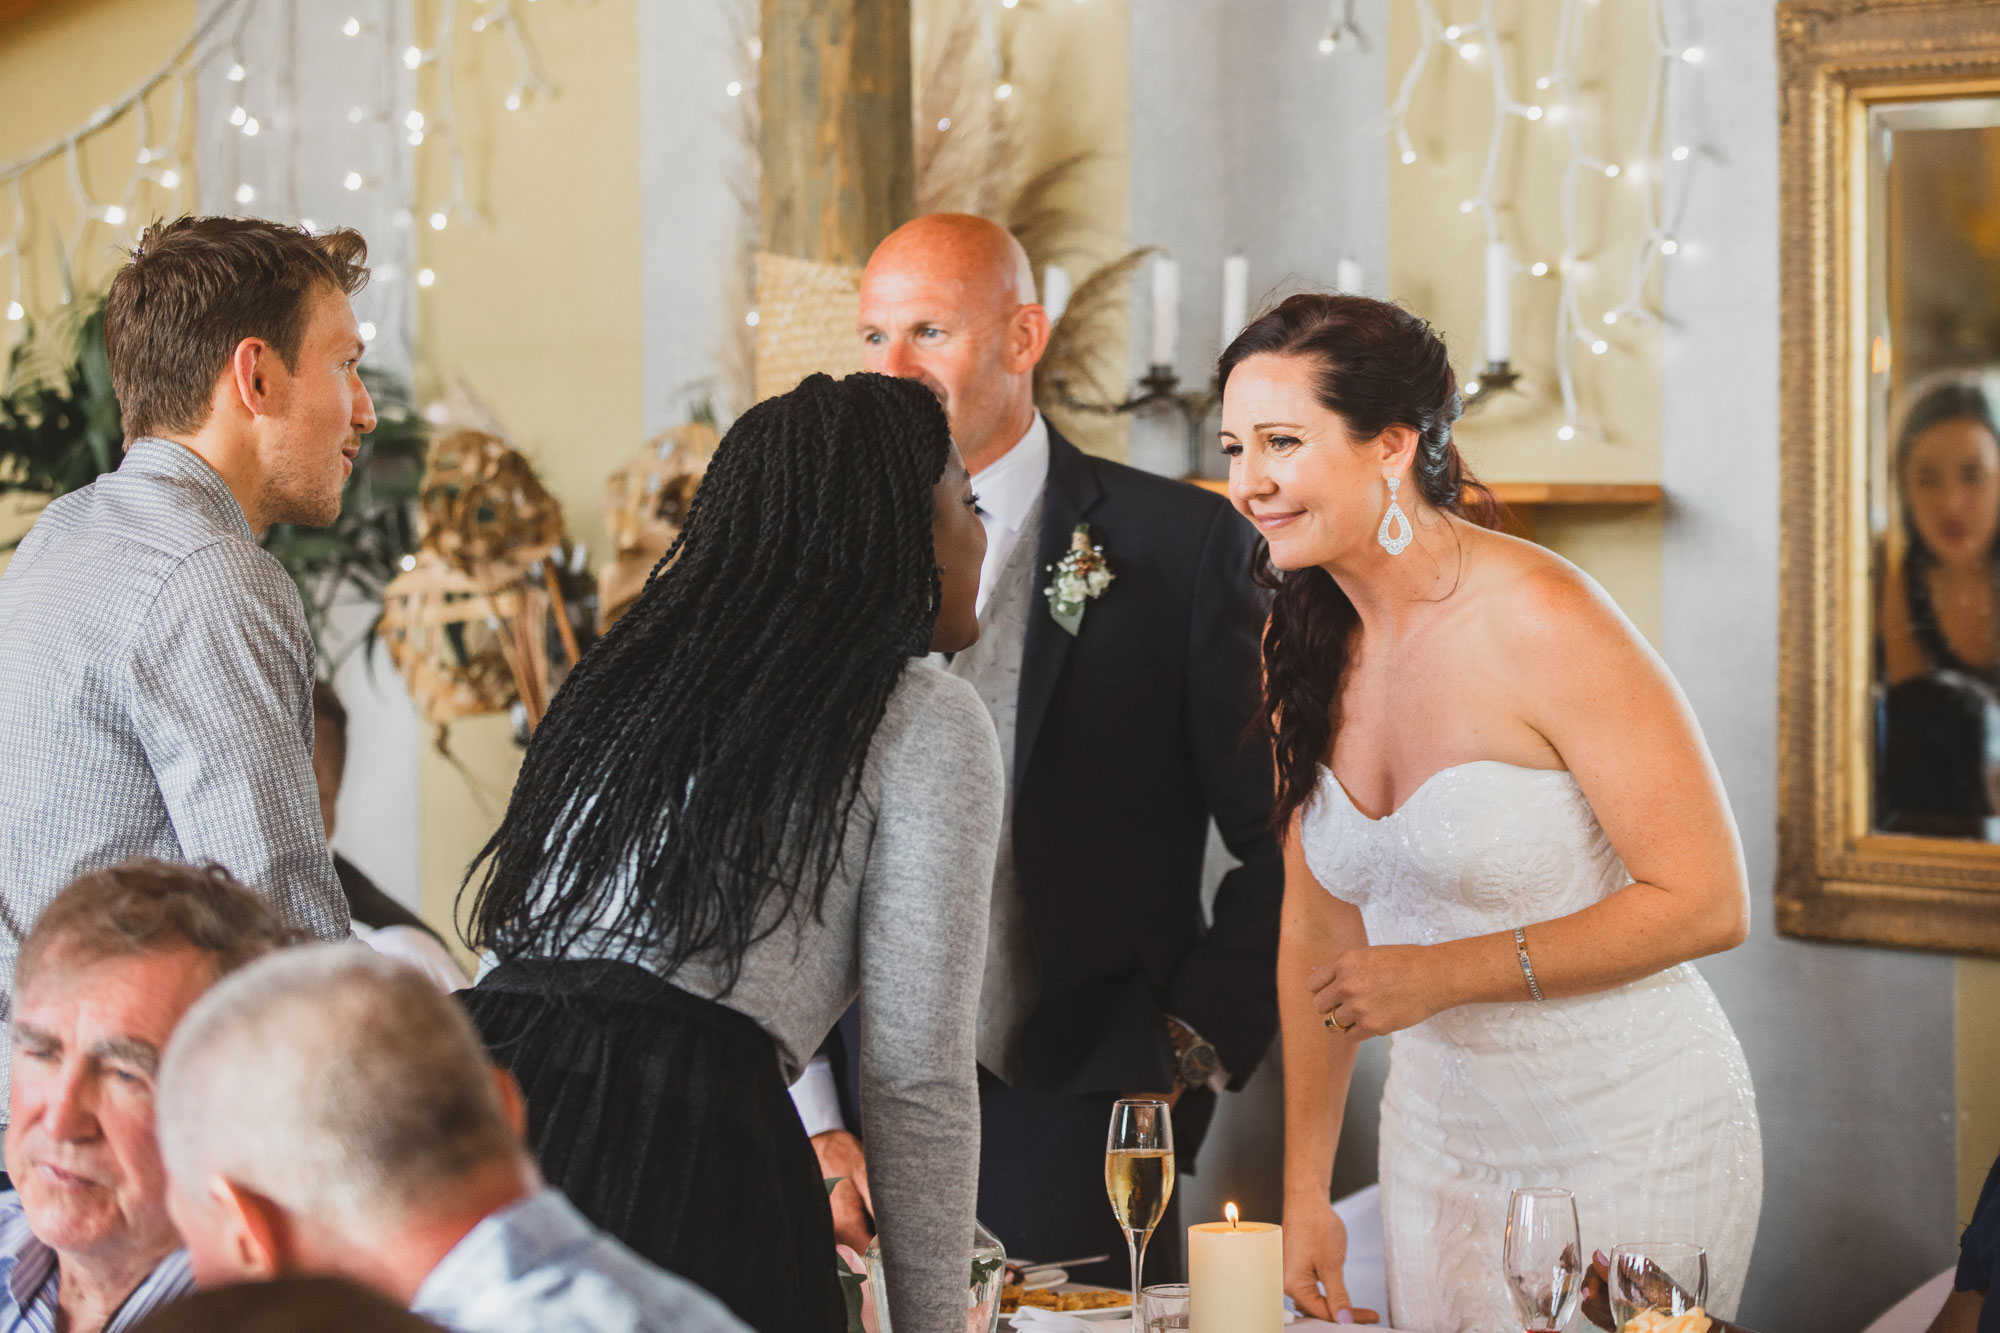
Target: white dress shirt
1007,490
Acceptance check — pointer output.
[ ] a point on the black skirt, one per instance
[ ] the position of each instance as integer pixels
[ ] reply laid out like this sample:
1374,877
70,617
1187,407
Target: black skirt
665,1120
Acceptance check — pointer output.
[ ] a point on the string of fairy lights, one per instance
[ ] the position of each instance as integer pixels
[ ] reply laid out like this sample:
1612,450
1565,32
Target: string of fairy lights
1656,161
218,39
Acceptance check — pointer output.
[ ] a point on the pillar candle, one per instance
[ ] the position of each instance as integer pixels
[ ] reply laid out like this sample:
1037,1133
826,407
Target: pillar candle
1236,1277
1235,297
1166,311
1347,277
1056,289
1499,300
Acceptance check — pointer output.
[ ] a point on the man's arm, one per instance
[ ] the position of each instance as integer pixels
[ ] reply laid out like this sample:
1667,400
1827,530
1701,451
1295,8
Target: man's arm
221,689
1225,988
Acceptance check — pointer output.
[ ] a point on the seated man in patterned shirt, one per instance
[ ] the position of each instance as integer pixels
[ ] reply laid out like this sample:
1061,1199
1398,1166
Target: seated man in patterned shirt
86,1243
330,1113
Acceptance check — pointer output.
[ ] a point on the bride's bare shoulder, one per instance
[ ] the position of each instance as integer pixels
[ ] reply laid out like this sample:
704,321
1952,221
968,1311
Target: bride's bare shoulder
1532,598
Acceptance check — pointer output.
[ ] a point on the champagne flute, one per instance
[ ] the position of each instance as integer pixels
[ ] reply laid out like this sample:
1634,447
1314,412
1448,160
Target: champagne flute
1667,1276
1139,1173
1544,1258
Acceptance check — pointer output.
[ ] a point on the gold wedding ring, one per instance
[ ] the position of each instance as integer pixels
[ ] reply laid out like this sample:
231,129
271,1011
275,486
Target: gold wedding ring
1334,1024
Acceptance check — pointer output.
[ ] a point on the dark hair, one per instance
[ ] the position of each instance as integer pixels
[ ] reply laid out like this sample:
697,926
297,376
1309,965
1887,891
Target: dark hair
143,906
702,758
1949,400
198,286
1937,741
1379,366
285,1305
330,724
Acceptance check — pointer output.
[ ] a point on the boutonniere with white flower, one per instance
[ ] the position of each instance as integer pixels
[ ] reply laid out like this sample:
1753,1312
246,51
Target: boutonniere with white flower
1081,576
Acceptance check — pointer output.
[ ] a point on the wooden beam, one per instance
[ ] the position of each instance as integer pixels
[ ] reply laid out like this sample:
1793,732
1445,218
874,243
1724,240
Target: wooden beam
835,138
11,10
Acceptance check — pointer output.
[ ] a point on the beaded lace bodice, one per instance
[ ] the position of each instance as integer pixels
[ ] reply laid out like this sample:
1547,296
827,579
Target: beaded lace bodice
1636,1098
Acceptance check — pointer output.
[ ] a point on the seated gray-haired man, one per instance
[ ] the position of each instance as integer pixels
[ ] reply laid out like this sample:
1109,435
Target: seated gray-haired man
110,967
328,1112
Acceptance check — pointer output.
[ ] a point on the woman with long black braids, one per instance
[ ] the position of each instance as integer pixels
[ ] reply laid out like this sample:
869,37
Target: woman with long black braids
752,799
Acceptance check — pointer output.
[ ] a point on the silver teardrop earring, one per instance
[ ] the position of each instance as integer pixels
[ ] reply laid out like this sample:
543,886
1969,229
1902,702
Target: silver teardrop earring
1394,543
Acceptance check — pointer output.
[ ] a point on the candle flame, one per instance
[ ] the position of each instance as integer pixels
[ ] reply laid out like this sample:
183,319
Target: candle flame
1229,1211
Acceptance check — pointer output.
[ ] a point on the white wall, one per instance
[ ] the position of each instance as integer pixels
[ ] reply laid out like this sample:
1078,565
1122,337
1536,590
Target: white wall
1246,140
690,150
303,75
1851,1048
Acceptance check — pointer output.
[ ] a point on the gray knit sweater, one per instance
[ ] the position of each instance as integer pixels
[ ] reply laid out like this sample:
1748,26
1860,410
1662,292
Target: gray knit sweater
904,927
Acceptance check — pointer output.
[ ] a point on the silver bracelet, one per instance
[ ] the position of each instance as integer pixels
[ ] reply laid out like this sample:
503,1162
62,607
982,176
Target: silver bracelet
1527,968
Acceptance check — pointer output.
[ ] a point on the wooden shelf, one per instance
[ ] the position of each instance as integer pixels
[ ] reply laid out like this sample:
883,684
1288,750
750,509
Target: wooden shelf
1534,494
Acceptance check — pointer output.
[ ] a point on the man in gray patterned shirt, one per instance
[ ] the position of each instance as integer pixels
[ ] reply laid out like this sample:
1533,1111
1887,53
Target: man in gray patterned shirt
155,667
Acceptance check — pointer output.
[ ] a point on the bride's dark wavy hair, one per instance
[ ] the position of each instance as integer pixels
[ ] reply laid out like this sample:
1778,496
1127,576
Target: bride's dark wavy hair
701,760
1378,366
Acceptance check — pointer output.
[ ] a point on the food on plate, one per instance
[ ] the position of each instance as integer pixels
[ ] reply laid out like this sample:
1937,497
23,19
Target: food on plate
1657,1321
1014,1297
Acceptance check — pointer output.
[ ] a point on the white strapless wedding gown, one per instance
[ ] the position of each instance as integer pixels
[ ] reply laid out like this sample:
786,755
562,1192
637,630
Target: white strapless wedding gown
1637,1099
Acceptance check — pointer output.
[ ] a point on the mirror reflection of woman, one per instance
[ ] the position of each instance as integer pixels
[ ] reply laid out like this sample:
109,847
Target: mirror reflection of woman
1941,601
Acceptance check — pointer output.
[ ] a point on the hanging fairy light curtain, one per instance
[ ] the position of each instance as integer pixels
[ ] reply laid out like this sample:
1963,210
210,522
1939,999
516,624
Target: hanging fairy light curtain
1655,160
159,113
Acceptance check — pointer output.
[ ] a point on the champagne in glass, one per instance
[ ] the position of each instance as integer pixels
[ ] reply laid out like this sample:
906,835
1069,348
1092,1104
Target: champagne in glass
1667,1276
1543,1258
1139,1173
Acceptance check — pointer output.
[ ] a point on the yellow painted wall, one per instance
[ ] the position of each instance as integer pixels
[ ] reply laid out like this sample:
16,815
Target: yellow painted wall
1073,73
1437,267
57,66
537,312
1976,1038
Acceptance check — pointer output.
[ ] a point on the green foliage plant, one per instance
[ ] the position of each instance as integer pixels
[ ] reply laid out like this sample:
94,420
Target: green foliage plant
60,429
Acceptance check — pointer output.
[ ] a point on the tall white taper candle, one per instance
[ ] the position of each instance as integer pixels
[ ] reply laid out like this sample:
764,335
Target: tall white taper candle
1499,302
1235,297
1056,289
1166,311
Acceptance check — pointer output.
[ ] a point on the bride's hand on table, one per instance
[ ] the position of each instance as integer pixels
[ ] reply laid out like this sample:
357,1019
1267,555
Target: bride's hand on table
1380,989
1315,1257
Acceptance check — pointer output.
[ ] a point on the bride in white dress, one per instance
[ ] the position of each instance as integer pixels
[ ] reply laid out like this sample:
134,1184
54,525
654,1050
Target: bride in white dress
1506,840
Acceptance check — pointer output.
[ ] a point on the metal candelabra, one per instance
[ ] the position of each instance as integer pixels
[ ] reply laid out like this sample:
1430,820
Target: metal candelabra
1157,390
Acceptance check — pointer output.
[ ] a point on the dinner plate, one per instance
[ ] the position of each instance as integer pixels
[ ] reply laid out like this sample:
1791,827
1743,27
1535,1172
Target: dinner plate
1114,1313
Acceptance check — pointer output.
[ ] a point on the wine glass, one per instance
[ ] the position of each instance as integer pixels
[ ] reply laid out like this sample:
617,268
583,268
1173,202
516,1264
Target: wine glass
1544,1258
1667,1276
1139,1173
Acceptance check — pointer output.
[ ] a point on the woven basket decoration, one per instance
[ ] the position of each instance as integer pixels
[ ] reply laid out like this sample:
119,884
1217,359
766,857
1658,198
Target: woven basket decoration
645,503
806,313
482,509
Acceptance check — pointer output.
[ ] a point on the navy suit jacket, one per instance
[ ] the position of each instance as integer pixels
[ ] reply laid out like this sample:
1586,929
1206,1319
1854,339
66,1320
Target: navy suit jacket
1130,737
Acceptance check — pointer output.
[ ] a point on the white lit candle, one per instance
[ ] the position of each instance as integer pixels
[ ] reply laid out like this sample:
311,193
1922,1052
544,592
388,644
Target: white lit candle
1347,277
1235,297
1166,311
1056,289
1499,297
1236,1276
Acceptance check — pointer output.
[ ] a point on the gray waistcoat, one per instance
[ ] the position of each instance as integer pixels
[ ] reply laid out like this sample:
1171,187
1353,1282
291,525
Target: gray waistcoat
993,666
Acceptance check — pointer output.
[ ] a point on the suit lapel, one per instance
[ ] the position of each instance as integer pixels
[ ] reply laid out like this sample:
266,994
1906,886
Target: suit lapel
1071,493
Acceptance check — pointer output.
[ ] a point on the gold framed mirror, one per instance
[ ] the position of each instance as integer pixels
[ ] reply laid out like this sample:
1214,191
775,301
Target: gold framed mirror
1889,716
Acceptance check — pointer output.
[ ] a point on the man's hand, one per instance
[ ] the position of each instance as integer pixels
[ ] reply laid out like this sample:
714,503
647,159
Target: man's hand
840,1154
